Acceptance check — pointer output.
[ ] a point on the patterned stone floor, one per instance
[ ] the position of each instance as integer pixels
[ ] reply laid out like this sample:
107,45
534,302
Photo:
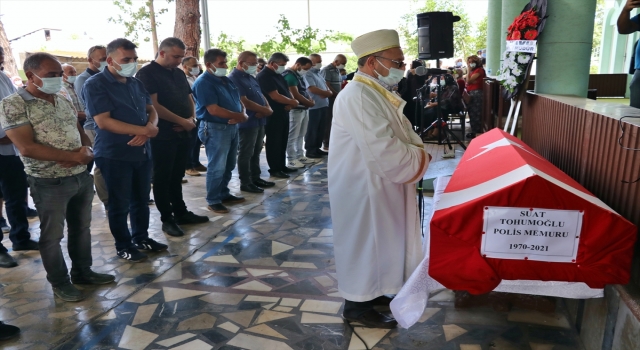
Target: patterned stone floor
261,277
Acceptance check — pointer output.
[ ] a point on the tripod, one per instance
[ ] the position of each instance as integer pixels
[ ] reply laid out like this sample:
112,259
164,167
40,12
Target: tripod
444,133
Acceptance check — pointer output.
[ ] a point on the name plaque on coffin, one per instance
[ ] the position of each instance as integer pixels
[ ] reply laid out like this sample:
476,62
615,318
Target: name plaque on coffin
531,234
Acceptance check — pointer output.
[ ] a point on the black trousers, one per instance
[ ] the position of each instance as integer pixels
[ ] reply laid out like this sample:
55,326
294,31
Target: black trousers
193,153
328,121
13,183
169,162
277,132
315,130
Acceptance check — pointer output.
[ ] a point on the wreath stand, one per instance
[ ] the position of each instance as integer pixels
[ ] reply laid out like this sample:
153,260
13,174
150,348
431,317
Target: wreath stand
516,103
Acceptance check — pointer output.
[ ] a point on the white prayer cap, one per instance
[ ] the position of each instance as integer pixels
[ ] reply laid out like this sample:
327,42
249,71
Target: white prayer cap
376,41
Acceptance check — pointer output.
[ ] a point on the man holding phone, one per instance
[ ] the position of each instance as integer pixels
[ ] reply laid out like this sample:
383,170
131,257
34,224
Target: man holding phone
628,25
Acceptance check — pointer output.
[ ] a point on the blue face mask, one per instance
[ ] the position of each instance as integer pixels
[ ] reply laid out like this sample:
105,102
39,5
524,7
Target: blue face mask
50,86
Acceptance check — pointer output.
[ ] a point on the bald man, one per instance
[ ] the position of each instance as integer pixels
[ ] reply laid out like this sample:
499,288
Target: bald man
331,74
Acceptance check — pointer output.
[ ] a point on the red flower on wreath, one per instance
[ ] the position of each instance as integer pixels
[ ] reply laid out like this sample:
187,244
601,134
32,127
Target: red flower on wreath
531,34
533,21
516,35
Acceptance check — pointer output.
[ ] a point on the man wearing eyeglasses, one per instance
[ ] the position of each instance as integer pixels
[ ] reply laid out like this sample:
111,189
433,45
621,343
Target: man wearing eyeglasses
378,245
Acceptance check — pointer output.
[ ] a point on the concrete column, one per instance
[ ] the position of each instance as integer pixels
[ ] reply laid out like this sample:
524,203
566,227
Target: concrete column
510,10
564,48
493,36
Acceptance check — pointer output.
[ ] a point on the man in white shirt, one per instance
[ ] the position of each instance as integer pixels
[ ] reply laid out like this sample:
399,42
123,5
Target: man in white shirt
372,182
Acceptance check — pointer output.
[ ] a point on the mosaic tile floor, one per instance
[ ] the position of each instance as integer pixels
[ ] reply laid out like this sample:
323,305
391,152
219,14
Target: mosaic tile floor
261,277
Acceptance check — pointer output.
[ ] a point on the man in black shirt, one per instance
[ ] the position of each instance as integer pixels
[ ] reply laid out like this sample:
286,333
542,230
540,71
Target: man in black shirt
276,90
171,97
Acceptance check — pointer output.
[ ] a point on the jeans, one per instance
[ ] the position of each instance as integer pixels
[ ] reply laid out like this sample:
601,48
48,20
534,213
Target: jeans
129,184
298,121
193,153
277,131
168,170
13,183
315,129
249,148
221,143
101,186
58,199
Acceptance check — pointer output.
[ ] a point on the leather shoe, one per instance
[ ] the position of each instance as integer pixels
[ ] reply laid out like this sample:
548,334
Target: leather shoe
231,199
90,277
172,229
382,300
280,175
218,208
200,167
264,184
30,245
289,170
8,331
370,318
7,260
251,188
68,292
191,218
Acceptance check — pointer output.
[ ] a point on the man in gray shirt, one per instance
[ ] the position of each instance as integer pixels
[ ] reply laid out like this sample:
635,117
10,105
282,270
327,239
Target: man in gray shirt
97,58
331,74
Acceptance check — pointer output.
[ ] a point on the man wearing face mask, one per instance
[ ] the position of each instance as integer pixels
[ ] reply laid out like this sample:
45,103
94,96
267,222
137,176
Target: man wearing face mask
376,229
69,78
251,132
320,92
43,125
171,97
274,87
126,120
219,109
191,69
298,116
97,58
331,74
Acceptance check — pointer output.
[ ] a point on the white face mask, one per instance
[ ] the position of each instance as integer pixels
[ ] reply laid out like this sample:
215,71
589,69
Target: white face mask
318,66
394,77
102,65
194,71
340,66
127,70
303,72
219,72
50,86
472,65
251,69
280,69
71,79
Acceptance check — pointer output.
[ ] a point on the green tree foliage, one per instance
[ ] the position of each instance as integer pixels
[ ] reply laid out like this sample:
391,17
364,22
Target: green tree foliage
136,20
462,30
231,46
302,41
480,36
597,29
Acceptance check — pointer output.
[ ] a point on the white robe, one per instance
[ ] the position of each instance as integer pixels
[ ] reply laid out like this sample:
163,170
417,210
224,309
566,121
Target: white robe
375,161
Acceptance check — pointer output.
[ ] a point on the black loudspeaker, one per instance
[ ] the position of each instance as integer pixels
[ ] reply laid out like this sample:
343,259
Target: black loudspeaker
435,35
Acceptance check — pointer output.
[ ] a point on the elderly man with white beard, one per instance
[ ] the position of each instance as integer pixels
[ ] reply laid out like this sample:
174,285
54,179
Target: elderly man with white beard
372,182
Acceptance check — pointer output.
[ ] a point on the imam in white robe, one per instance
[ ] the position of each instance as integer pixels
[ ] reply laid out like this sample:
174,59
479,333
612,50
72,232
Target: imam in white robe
375,161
